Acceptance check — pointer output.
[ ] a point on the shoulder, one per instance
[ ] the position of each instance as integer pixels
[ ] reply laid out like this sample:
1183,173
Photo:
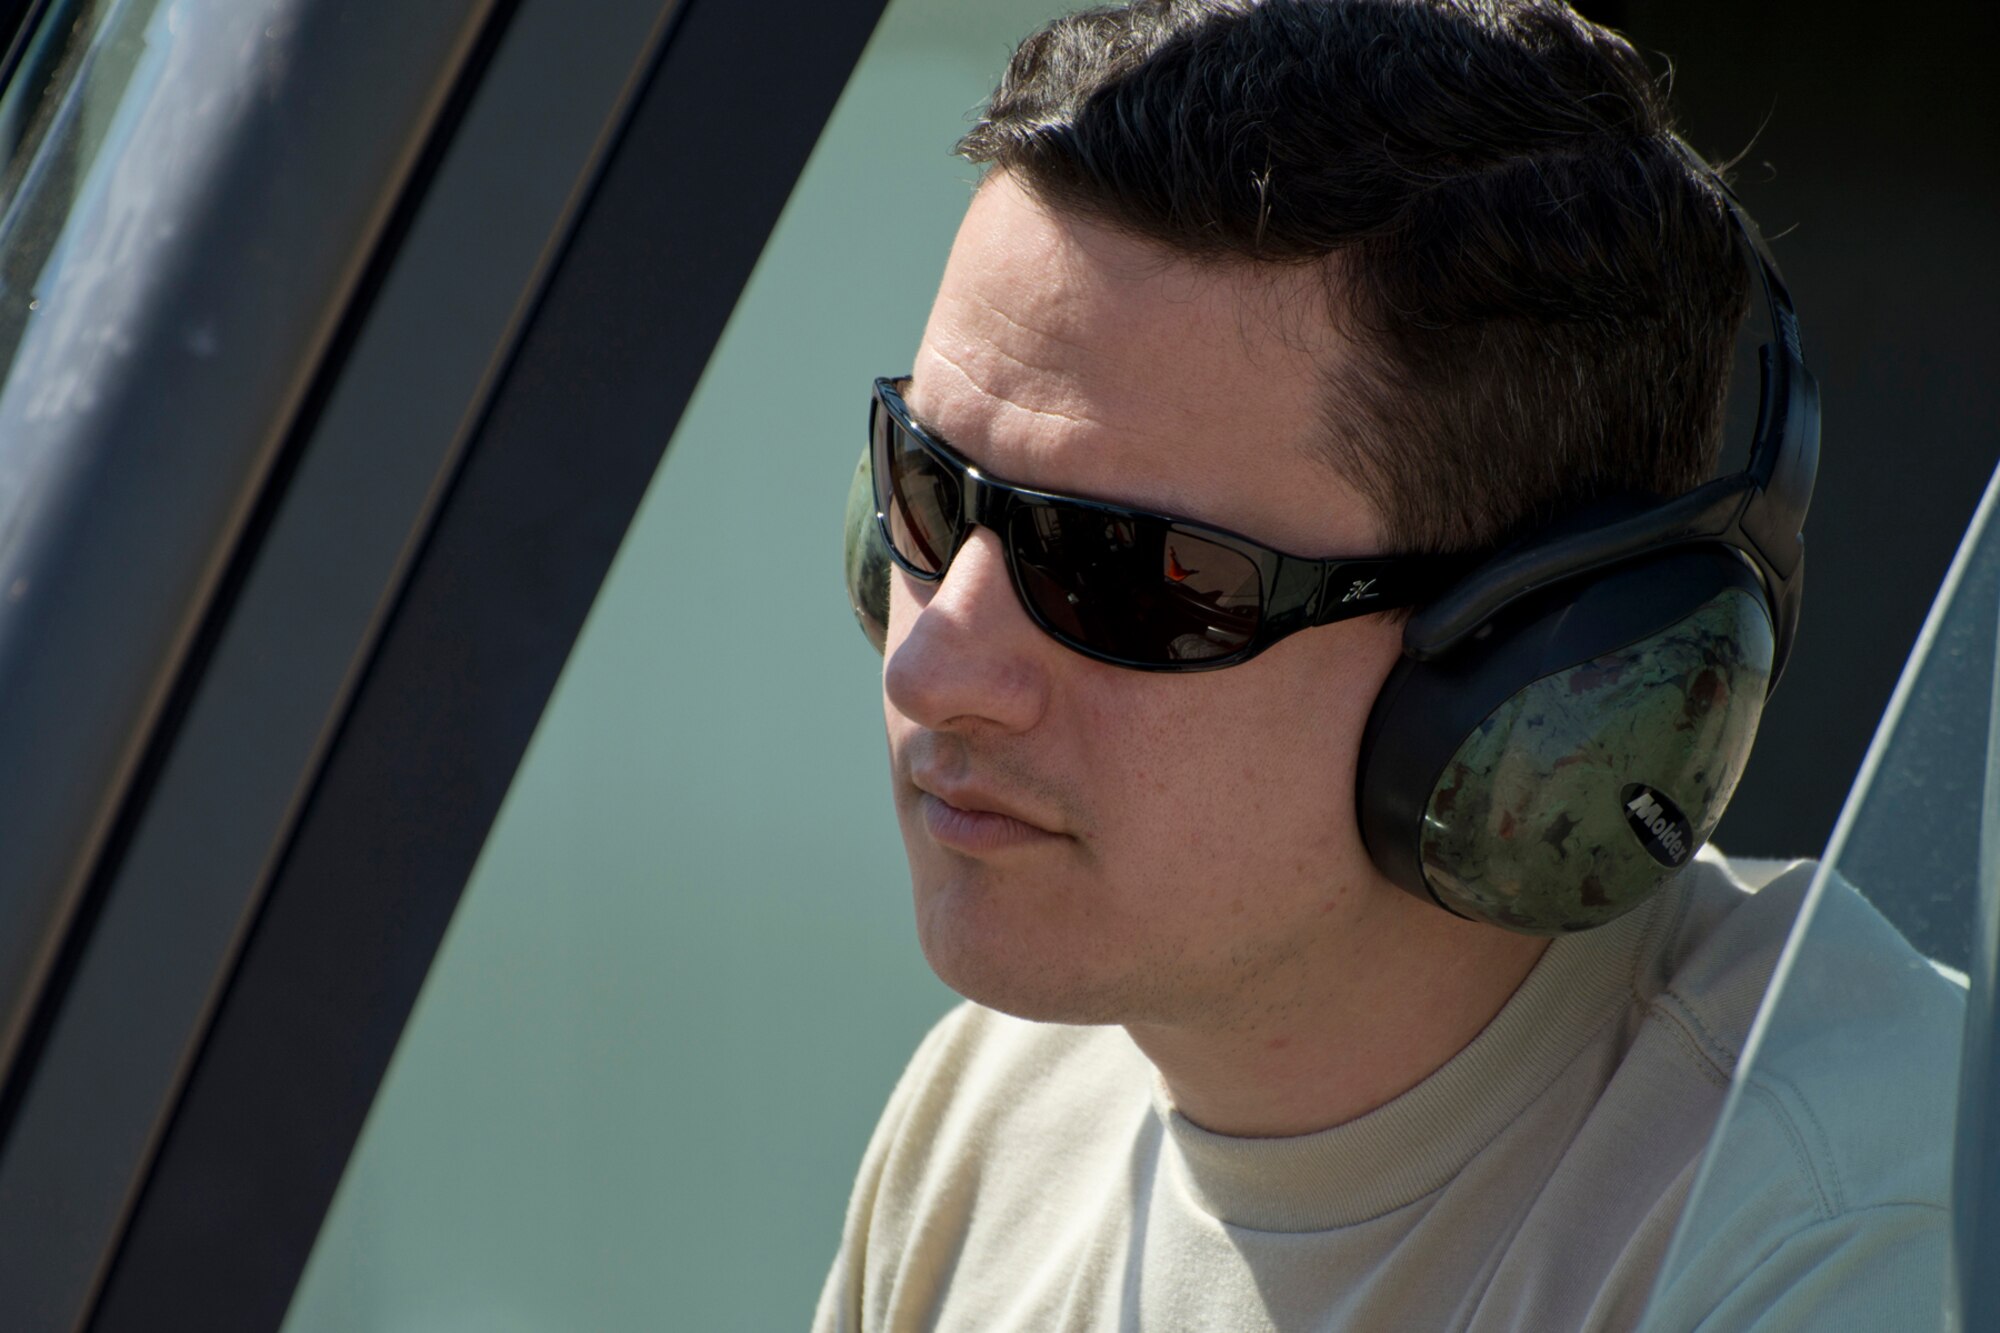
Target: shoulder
1825,1190
1854,1055
978,1067
995,1124
984,1085
1723,936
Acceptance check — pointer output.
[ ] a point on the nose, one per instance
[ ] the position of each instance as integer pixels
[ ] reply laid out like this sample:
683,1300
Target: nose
962,653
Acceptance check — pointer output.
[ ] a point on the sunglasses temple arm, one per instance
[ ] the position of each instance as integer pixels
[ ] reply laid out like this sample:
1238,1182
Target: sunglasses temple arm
1343,589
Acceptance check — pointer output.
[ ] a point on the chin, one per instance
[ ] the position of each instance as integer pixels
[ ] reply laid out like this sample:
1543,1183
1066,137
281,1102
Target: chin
1029,969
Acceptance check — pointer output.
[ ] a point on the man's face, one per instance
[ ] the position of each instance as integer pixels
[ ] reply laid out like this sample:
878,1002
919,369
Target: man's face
1089,843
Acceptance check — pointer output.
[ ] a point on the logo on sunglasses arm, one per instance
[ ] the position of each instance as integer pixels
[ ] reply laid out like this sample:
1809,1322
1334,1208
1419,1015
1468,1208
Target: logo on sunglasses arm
1358,591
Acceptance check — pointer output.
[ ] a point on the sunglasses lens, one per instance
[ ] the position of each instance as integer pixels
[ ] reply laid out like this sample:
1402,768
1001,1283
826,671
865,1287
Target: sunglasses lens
918,496
1137,589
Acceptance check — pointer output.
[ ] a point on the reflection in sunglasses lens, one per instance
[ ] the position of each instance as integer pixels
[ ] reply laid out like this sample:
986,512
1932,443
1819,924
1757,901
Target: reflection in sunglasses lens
924,504
1133,588
1215,594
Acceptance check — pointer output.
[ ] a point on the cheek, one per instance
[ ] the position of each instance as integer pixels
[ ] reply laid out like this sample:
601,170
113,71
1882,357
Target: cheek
1252,768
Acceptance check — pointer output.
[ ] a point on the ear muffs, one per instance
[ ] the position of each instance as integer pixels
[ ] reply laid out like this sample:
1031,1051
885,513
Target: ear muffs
1568,722
867,557
1553,773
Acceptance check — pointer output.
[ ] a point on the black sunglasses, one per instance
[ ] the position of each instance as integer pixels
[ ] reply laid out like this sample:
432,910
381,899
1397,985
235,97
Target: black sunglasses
1125,586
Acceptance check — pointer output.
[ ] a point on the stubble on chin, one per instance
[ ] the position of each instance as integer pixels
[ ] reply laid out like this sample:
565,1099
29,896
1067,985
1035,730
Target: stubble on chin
1028,942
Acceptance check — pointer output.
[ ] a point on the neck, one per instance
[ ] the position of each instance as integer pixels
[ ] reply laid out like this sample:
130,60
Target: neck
1350,1026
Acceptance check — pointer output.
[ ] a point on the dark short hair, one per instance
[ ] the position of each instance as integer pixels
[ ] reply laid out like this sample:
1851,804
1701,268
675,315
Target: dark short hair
1542,283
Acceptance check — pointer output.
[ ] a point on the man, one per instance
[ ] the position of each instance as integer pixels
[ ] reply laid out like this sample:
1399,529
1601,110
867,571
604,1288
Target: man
1348,278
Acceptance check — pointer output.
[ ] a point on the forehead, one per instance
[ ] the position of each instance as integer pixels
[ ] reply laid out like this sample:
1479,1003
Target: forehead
1064,355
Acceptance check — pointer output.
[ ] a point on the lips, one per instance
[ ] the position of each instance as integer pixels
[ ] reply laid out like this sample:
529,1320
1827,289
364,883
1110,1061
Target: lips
968,819
973,800
978,832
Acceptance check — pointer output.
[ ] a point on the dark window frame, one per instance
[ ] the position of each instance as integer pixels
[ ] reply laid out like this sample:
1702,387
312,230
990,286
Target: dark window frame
310,963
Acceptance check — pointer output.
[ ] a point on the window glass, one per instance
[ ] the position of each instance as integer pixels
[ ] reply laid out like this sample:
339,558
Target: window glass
1869,1034
66,97
683,977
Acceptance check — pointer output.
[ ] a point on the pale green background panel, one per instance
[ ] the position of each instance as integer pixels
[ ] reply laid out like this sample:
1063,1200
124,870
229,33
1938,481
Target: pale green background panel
683,977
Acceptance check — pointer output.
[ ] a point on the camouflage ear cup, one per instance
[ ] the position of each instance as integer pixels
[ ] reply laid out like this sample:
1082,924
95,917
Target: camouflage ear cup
1612,751
1574,800
867,557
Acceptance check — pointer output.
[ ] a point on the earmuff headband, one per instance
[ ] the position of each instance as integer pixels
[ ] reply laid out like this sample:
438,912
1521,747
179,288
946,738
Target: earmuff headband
1759,513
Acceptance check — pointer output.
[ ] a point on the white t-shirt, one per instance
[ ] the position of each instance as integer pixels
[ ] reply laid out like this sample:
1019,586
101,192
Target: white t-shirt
1030,1176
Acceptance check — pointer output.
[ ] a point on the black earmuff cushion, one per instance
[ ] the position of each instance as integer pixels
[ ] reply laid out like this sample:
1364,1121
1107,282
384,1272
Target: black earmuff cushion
1551,773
